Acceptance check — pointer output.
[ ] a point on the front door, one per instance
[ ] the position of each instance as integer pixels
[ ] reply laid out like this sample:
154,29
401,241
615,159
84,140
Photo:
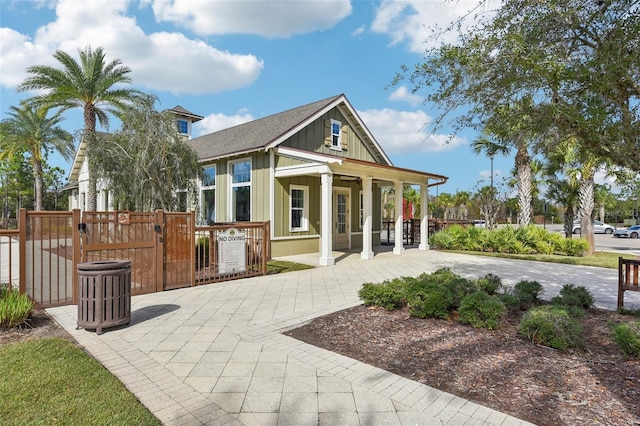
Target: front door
341,214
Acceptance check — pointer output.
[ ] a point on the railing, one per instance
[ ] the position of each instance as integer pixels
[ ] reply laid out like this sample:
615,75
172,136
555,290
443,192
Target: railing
628,272
40,258
256,249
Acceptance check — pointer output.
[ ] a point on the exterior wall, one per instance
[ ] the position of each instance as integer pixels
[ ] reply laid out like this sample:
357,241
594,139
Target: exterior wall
282,218
311,138
295,246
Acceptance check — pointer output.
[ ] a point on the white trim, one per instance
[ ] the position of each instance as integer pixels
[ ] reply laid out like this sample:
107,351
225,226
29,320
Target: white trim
337,146
272,192
307,155
367,218
304,222
231,186
202,188
297,237
424,217
303,169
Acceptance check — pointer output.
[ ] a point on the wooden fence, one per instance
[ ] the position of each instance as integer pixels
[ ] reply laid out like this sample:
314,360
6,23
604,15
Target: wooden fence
41,257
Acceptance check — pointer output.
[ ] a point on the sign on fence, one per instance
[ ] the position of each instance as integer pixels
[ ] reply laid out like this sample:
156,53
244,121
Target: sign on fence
232,251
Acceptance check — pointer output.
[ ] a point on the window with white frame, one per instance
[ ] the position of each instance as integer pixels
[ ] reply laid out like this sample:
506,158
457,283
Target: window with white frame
240,187
336,134
208,195
298,208
183,127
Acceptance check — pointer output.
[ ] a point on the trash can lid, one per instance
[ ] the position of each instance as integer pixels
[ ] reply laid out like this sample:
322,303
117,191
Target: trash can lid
104,265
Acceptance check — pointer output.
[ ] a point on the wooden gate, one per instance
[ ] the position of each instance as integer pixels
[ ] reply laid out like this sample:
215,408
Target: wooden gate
179,252
127,236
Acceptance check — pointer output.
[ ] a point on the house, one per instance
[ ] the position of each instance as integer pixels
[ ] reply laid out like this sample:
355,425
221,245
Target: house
315,172
79,175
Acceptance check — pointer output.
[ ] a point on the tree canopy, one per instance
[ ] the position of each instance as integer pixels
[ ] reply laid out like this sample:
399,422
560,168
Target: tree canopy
91,84
570,66
146,163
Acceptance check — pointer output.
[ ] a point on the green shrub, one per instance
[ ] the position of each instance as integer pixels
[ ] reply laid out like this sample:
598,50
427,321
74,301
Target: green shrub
574,246
433,301
551,326
390,294
481,310
571,295
511,302
490,283
15,308
528,292
627,335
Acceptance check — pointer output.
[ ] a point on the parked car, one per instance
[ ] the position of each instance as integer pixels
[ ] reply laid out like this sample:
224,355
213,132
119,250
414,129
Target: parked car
598,227
630,232
479,223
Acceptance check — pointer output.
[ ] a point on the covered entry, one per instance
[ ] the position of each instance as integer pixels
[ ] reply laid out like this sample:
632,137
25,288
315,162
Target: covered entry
341,219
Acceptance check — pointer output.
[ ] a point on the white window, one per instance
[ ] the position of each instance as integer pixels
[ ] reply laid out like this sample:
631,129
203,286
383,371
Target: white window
336,135
208,195
240,206
183,127
298,208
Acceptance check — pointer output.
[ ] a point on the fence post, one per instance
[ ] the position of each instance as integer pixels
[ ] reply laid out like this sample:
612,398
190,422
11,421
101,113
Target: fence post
159,229
76,254
265,241
22,251
192,250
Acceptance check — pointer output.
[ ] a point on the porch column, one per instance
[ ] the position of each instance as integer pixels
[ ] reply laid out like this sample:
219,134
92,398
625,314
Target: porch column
398,248
424,217
367,219
326,229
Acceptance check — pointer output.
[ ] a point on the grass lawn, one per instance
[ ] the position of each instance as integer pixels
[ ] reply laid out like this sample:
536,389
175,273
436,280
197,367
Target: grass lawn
48,381
282,266
601,259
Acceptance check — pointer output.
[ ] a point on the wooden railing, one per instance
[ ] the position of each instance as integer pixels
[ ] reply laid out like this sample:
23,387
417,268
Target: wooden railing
627,277
41,257
257,251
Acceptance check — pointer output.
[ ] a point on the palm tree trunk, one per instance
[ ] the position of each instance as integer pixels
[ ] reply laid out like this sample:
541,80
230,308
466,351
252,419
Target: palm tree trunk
90,139
586,197
523,170
38,183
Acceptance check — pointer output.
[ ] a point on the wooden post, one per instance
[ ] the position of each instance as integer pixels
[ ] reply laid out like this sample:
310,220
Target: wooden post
22,250
158,249
76,252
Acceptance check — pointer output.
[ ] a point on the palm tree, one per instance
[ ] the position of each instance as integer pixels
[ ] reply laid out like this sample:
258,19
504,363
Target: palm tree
87,84
28,129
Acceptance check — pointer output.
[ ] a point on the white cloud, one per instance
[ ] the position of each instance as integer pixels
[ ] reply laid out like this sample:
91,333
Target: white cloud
160,61
401,132
415,21
273,19
214,122
401,94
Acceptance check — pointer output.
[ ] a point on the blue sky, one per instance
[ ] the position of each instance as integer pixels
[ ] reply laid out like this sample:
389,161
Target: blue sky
235,61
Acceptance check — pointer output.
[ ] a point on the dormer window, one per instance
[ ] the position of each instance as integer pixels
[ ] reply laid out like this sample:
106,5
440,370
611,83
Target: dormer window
183,127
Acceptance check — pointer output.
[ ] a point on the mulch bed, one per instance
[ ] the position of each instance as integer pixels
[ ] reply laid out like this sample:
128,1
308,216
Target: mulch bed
498,369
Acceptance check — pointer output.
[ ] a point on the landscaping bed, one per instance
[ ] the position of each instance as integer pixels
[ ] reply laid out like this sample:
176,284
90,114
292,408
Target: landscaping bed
497,368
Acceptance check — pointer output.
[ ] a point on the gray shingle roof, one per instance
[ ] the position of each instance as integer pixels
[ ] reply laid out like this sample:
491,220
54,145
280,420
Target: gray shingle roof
255,135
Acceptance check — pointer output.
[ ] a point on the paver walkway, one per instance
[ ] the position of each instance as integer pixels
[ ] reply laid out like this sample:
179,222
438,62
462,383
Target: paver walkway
215,355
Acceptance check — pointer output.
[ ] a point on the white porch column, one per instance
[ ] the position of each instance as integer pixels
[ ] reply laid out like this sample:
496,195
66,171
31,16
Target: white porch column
326,222
367,219
424,217
398,248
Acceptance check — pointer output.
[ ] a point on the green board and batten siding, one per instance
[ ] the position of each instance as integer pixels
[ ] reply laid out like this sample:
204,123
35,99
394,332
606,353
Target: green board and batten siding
311,138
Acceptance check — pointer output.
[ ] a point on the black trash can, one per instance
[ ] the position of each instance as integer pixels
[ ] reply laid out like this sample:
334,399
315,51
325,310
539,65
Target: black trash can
104,294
